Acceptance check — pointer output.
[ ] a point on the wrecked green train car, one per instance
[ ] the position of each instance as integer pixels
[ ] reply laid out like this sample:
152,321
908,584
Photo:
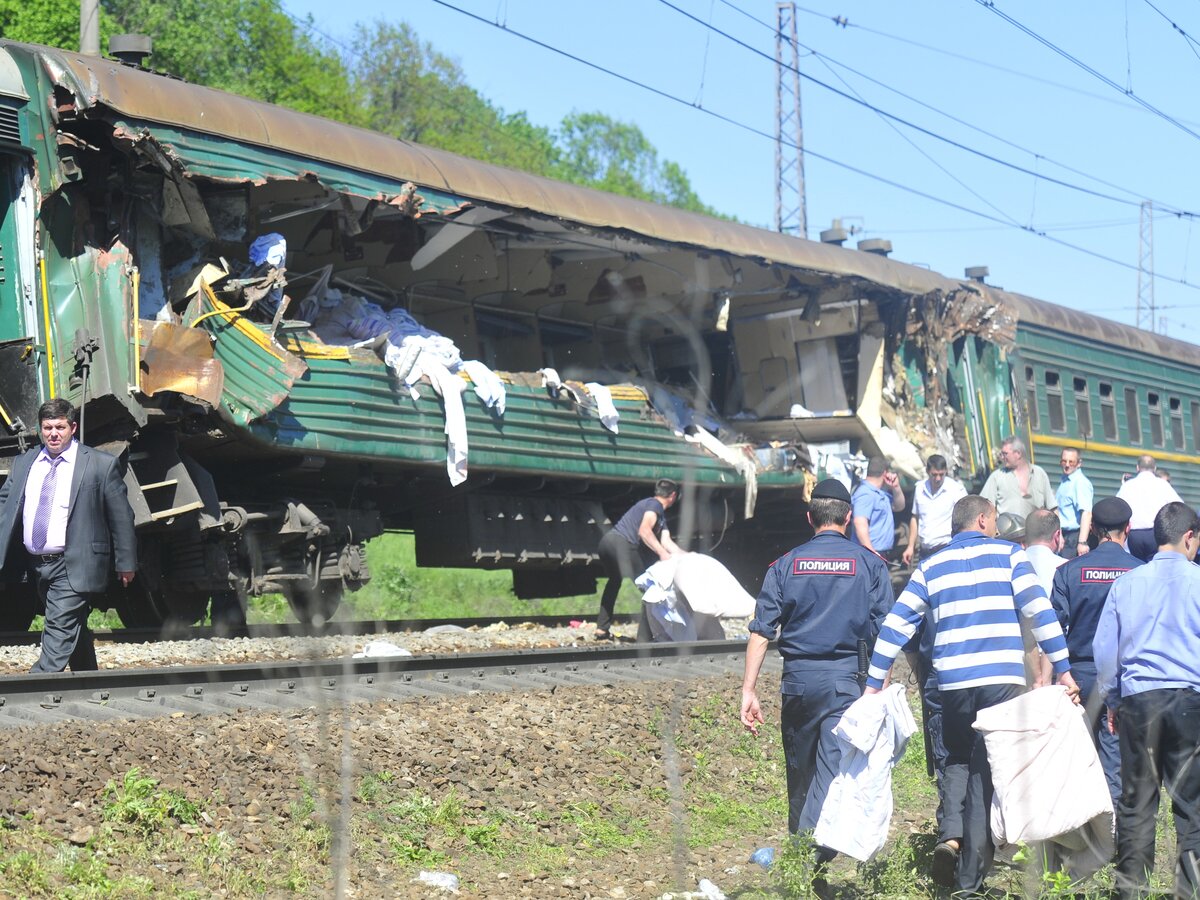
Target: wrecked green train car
573,347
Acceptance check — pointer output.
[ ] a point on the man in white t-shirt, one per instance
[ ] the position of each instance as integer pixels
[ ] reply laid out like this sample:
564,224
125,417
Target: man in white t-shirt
1146,494
933,501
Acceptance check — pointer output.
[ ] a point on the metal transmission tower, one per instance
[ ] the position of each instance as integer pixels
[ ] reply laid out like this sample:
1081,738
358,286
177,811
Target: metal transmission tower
790,214
1145,297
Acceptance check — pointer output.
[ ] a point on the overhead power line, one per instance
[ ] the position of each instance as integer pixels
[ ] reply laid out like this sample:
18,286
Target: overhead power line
1100,76
914,126
846,24
828,60
1191,41
808,152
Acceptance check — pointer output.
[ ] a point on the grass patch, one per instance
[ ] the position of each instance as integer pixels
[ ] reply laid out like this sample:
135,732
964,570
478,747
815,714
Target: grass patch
138,803
713,816
604,829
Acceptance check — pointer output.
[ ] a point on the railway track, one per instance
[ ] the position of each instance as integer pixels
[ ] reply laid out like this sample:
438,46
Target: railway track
224,689
298,629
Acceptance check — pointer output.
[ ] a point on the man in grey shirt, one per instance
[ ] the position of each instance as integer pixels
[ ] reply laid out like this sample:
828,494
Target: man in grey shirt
1018,487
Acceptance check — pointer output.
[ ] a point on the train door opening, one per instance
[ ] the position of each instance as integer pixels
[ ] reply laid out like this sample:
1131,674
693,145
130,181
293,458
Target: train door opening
21,383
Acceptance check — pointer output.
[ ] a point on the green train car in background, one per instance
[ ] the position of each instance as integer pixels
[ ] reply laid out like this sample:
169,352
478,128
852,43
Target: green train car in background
263,446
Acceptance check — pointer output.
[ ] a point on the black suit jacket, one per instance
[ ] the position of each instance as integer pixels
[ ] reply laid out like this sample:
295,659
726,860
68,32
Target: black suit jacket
100,534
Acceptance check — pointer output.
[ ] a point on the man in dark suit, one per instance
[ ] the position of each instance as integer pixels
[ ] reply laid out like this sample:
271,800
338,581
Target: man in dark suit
65,517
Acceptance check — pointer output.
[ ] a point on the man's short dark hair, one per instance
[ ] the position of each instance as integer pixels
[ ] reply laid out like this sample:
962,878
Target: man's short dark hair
876,466
1040,526
1174,521
826,511
58,408
966,511
665,487
938,462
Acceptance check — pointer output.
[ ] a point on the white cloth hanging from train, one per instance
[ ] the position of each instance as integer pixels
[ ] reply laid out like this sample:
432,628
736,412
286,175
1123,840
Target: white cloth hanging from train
746,465
488,386
604,405
450,388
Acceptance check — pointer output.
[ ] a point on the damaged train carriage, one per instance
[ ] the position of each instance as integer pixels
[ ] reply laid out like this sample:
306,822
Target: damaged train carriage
272,417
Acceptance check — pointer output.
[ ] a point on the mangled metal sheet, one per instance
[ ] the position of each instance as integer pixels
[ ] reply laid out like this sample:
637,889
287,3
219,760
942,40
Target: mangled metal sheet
259,373
180,359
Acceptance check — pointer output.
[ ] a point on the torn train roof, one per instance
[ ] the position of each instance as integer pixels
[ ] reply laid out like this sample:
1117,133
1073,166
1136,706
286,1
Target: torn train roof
153,98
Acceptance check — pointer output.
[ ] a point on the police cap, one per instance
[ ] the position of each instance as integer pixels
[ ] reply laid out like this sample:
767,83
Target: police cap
1111,512
831,489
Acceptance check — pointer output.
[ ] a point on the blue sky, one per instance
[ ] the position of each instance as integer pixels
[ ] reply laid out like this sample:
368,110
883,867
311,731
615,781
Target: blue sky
973,65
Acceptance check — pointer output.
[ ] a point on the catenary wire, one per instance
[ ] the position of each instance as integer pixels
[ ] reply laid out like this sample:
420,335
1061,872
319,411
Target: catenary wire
1050,45
953,118
892,125
1191,41
914,126
843,22
827,159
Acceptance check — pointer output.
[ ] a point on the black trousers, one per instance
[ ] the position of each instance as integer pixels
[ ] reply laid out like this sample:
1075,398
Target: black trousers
66,639
622,560
809,748
1142,543
1070,548
1160,745
967,783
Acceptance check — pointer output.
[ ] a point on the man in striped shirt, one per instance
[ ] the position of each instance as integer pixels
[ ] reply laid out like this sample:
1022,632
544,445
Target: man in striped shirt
971,594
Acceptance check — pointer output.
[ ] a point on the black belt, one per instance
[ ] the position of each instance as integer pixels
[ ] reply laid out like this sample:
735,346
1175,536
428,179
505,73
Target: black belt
44,559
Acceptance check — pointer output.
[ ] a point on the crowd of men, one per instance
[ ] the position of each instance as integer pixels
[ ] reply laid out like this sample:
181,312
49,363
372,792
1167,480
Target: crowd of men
1098,596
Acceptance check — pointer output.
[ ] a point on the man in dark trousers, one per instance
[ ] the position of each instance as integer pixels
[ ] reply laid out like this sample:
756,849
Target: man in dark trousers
638,540
971,594
65,517
1148,672
824,598
1080,590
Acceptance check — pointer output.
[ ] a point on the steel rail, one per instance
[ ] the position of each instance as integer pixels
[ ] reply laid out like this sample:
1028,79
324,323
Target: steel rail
227,689
299,629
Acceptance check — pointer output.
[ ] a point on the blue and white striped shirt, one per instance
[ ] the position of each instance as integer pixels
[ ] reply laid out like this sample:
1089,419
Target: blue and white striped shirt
972,592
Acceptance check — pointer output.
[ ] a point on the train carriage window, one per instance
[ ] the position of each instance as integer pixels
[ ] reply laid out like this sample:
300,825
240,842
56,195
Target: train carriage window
1083,408
1031,402
1176,422
1156,422
1195,410
1108,412
1054,402
1133,416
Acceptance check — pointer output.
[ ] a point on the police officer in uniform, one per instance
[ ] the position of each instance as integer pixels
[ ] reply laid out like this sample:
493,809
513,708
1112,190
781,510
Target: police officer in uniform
823,598
1080,590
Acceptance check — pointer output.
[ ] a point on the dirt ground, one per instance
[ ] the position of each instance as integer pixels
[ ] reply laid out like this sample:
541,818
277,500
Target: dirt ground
621,791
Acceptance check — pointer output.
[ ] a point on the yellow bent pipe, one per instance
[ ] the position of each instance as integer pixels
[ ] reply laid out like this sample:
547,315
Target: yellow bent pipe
46,334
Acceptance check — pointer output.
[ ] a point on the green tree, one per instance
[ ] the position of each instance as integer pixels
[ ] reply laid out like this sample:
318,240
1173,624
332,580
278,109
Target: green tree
616,156
247,47
389,80
52,22
413,92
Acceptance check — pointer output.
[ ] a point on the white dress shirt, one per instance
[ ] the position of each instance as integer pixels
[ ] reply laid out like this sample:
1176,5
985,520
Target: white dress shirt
56,534
933,511
1146,494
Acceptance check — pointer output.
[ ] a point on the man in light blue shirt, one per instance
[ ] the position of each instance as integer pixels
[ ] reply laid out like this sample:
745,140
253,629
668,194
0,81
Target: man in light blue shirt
1074,496
1148,671
876,500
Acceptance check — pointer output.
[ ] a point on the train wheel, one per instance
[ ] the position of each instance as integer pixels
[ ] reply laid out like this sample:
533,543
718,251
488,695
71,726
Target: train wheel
143,606
315,607
19,607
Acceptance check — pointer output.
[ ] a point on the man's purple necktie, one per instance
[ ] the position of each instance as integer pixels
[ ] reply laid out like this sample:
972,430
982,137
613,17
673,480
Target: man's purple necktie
41,517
